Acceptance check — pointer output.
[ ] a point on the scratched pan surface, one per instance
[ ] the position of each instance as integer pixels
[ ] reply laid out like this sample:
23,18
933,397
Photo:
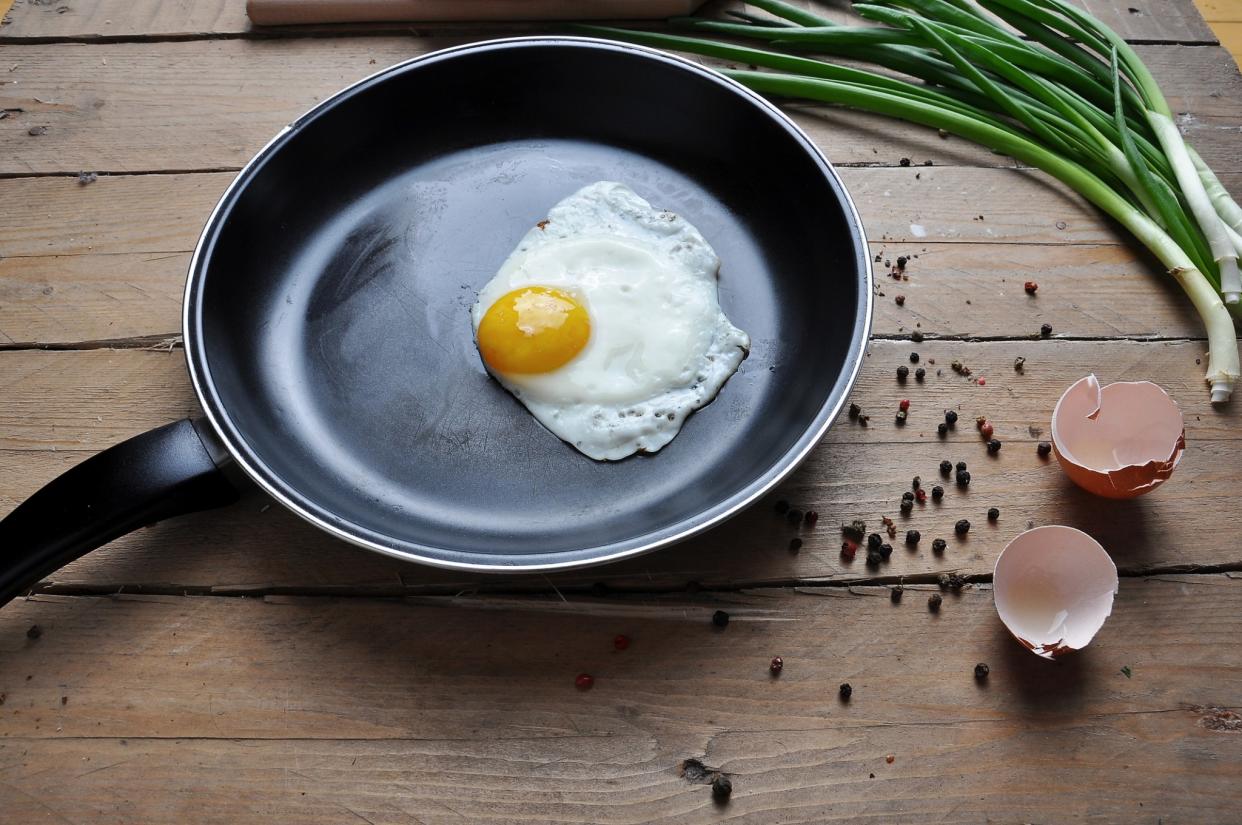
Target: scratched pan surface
327,312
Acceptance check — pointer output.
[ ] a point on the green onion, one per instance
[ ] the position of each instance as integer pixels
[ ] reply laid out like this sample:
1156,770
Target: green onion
1073,100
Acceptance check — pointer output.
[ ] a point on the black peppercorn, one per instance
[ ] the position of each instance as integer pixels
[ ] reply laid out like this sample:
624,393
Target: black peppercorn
963,479
1043,448
782,506
961,466
795,544
906,507
902,372
874,558
913,536
942,429
981,671
846,692
993,514
938,546
34,632
950,417
916,482
920,374
776,665
886,550
994,446
946,467
901,417
916,337
895,593
907,496
914,358
720,618
1045,330
874,541
933,602
937,492
962,527
721,787
854,410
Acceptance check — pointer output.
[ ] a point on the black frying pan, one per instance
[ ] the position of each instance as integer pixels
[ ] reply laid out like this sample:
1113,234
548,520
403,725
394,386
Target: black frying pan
328,335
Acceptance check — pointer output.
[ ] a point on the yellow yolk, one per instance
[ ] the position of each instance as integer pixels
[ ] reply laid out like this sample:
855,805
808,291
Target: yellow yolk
533,329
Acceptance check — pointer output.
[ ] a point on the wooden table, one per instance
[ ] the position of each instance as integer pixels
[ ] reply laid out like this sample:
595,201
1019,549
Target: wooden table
238,666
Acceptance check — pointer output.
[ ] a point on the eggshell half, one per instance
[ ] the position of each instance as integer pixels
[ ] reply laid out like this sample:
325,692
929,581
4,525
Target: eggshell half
1053,588
1120,440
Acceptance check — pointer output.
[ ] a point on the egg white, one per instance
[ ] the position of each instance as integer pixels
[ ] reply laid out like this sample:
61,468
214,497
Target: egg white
660,346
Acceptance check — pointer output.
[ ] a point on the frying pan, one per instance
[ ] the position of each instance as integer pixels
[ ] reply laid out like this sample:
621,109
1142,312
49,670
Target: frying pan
327,330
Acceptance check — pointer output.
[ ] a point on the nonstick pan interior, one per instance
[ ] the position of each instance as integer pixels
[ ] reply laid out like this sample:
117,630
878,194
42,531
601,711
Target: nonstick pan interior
328,322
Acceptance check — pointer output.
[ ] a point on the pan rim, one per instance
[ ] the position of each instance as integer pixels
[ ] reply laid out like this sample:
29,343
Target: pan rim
778,468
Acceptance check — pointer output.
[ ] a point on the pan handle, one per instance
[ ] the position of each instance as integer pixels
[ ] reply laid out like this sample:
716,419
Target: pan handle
165,472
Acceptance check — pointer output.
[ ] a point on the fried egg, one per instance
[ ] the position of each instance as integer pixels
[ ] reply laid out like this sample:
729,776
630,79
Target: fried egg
605,323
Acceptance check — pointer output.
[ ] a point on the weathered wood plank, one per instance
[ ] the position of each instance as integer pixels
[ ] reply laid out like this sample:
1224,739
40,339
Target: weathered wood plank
122,107
61,406
1162,20
316,710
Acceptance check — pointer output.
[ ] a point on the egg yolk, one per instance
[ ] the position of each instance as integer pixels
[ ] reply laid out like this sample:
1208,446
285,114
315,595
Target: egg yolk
533,329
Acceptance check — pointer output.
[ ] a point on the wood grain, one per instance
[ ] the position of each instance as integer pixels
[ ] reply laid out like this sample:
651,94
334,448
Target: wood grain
144,710
180,106
1160,20
62,406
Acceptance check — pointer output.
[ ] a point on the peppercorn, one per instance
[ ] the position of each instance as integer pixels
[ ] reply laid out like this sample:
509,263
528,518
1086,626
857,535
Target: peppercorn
845,691
963,479
942,429
982,671
982,381
720,618
854,410
1043,448
811,518
986,430
781,506
950,417
906,507
956,365
1045,330
901,300
895,593
962,527
916,337
863,419
874,541
937,492
795,544
939,545
901,417
1030,287
722,787
961,466
903,404
848,549
34,632
994,446
980,420
993,514
886,550
920,374
901,261
956,581
933,602
1018,363
584,681
902,372
914,358
946,467
777,665
907,496
874,558
621,642
943,581
920,496
891,529
912,537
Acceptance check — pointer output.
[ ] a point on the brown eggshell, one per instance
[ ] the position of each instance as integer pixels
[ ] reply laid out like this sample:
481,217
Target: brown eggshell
1118,441
1053,587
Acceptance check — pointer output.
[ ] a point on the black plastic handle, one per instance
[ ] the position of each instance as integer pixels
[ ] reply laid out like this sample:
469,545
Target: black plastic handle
165,472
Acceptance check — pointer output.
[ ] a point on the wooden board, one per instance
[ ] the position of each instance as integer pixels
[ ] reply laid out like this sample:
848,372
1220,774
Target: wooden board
62,406
204,105
144,710
1163,21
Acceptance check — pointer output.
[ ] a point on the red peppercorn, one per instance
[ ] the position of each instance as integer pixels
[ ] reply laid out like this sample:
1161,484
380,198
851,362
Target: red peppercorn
847,550
1030,287
621,642
584,681
986,430
983,382
920,496
777,665
810,518
904,405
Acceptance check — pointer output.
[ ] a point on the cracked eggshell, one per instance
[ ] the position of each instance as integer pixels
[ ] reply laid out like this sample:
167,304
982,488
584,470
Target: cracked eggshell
1053,588
1120,440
